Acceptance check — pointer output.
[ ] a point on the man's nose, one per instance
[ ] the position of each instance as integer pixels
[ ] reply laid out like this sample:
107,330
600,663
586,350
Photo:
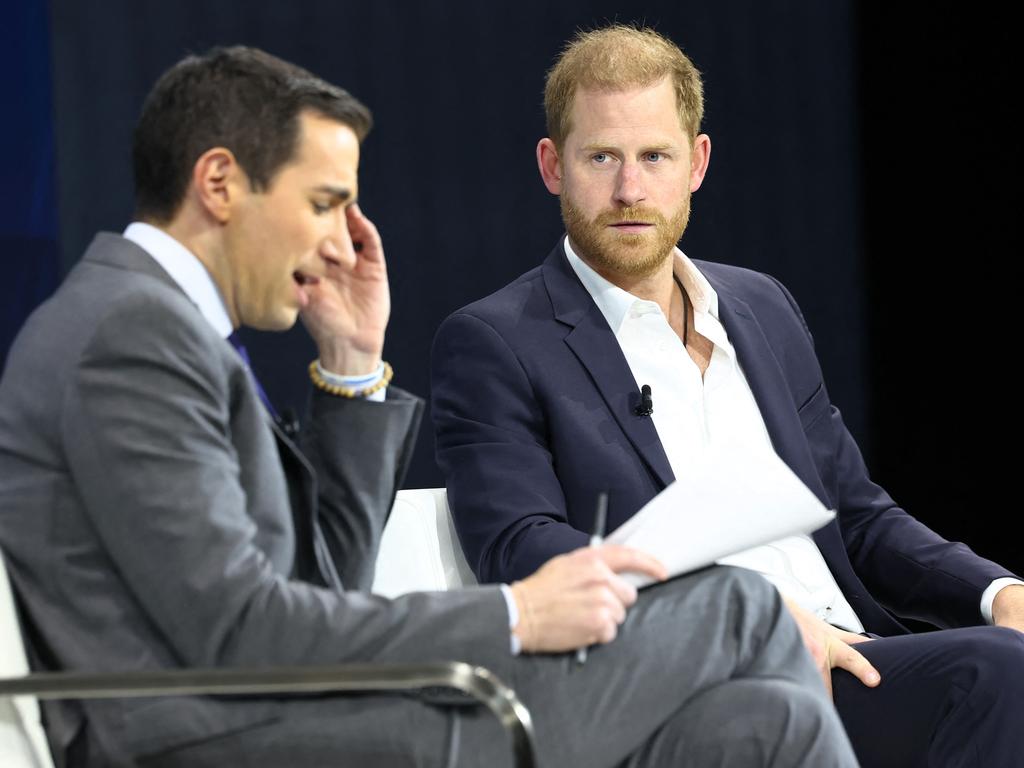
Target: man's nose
629,188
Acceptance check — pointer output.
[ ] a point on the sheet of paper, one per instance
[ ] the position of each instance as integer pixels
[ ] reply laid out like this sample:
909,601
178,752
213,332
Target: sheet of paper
735,498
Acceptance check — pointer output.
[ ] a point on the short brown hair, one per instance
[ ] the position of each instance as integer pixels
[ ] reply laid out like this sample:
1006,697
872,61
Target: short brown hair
240,98
615,58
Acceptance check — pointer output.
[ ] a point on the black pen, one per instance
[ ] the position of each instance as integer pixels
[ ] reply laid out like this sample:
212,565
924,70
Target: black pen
596,538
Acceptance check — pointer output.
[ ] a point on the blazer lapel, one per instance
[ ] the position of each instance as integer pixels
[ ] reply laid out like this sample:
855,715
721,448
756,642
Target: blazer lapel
769,386
594,344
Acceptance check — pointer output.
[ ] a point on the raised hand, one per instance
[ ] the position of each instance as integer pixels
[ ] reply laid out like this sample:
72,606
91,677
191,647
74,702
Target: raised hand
350,304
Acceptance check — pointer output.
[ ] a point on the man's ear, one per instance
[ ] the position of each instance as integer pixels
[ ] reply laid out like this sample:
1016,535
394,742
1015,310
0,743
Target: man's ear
699,159
216,182
550,166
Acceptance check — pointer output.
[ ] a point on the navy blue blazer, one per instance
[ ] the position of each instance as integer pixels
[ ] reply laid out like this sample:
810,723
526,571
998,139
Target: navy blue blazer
534,410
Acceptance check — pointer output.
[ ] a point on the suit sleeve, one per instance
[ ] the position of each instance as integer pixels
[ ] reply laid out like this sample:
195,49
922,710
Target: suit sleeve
492,446
146,432
360,451
908,568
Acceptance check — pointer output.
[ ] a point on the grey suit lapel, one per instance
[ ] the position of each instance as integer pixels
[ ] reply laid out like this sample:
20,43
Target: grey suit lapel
595,346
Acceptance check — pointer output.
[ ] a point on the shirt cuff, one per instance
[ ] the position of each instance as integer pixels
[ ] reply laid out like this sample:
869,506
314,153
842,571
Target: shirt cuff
513,618
356,382
989,596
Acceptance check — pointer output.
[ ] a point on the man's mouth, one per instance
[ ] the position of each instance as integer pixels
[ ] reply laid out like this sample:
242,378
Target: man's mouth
302,282
632,226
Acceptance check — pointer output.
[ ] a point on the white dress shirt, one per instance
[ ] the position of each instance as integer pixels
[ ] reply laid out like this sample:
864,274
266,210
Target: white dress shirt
186,270
692,413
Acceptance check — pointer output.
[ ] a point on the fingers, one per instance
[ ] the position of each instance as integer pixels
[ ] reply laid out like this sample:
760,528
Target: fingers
574,600
601,609
845,657
826,676
608,614
851,638
858,665
831,647
338,253
621,559
625,593
588,570
365,238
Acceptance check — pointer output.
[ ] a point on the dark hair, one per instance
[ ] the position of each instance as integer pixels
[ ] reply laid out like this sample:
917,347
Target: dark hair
240,98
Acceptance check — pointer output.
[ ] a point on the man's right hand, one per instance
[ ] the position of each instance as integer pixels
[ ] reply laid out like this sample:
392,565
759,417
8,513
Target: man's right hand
830,647
579,598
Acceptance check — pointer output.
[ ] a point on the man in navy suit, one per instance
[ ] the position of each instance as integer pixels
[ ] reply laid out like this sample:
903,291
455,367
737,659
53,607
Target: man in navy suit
538,408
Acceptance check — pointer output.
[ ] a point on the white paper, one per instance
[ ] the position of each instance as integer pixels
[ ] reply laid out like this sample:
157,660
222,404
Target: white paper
734,498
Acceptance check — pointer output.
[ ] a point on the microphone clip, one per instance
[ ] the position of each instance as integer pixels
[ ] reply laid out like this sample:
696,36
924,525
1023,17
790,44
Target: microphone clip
288,422
646,406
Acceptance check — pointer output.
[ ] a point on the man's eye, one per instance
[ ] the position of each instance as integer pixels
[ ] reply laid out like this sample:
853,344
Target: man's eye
321,208
599,158
653,157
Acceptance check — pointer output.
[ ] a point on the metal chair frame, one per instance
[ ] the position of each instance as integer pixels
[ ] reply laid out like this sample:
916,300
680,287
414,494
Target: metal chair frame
476,682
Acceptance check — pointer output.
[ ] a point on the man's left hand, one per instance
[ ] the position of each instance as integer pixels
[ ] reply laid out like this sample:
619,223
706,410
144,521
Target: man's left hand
1008,607
831,647
349,307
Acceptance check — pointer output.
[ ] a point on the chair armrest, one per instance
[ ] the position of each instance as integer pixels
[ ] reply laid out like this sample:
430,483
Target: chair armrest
477,682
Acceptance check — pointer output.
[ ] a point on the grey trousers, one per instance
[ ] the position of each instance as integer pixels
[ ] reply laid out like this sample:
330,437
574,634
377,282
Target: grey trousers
708,670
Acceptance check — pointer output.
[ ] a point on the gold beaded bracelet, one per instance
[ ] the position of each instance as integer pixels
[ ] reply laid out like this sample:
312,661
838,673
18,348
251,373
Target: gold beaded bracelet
334,389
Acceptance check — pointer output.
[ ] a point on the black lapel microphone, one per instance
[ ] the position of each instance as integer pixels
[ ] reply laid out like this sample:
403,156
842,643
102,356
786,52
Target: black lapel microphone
288,421
646,407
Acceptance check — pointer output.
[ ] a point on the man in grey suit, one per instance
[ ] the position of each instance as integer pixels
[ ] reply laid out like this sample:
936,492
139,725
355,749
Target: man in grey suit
154,515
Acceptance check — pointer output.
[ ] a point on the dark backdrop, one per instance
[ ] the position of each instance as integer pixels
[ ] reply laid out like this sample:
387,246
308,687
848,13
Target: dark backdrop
859,154
942,155
28,212
449,174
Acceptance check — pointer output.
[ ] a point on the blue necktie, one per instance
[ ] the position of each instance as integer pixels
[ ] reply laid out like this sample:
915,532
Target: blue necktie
236,342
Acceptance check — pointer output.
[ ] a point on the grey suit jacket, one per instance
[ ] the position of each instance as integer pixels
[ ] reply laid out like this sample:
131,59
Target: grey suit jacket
152,517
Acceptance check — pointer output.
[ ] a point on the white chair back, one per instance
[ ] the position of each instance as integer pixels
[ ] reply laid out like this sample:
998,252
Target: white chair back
22,741
420,551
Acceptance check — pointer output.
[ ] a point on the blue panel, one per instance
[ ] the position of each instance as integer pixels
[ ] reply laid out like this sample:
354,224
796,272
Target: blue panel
28,216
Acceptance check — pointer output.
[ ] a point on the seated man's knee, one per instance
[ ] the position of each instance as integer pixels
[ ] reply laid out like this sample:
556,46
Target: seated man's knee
732,582
747,590
740,596
997,657
766,721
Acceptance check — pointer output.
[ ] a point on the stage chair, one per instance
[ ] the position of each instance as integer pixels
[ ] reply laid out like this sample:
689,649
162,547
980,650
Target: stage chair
419,550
